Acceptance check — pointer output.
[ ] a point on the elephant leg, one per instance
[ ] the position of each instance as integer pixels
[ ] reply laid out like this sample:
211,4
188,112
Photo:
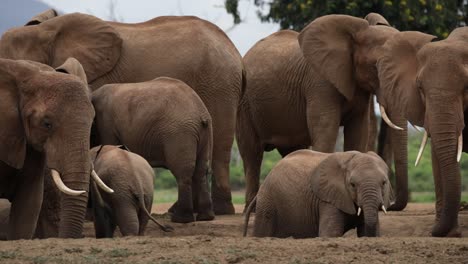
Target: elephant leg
126,216
201,195
142,216
251,151
223,137
27,201
356,131
48,222
265,220
331,222
180,153
323,130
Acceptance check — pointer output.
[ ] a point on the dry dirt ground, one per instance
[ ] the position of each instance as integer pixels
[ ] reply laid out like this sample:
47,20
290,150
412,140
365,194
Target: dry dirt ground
404,240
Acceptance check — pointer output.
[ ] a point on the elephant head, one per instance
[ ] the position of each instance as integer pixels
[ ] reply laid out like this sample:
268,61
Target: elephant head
440,79
353,180
51,39
354,53
51,112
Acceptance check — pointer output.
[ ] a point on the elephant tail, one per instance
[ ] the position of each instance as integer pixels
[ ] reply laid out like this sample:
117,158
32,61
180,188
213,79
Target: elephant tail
244,80
247,214
165,228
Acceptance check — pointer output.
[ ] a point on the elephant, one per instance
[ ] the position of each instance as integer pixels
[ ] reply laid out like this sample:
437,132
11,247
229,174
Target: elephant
45,125
436,78
164,121
310,194
302,86
131,177
186,48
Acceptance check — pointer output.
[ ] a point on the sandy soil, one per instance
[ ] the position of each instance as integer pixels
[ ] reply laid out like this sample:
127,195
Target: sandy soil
404,240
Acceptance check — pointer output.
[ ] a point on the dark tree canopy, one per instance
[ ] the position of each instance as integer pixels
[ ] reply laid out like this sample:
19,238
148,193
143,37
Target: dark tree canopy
437,17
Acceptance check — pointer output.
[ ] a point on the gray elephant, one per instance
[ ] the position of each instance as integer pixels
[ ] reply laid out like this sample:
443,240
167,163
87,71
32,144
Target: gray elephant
302,86
186,48
165,122
129,207
45,123
310,194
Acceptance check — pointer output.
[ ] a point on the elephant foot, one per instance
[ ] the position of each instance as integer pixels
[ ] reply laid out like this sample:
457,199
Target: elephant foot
438,231
182,218
223,208
207,216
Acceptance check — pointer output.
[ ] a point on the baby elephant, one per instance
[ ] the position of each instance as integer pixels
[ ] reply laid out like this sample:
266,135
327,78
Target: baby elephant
164,121
310,194
131,177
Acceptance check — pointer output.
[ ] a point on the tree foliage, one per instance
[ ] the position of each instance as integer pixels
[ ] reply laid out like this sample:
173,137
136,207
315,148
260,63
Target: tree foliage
437,17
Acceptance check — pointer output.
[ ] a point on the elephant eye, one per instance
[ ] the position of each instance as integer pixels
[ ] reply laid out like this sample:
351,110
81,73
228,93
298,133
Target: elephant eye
47,124
353,185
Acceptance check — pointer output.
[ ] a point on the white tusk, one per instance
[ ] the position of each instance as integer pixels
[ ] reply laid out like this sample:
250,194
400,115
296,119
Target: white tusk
387,120
421,148
100,183
358,211
61,186
460,147
383,209
416,128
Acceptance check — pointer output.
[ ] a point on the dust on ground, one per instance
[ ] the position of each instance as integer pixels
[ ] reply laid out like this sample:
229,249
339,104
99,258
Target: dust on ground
405,239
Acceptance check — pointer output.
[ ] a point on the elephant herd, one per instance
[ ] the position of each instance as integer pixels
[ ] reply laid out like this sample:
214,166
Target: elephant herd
173,92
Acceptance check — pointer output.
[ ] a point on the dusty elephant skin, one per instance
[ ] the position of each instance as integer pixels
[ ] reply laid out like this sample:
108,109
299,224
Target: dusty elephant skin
310,194
186,48
131,177
165,122
302,86
45,122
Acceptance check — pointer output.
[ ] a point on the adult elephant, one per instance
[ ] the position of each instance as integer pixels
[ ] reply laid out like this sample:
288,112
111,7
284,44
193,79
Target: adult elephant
45,122
438,80
299,92
185,48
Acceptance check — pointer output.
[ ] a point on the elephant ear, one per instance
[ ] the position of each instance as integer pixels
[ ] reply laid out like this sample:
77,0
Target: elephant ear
329,181
12,135
92,41
397,69
327,43
375,19
459,34
46,15
74,67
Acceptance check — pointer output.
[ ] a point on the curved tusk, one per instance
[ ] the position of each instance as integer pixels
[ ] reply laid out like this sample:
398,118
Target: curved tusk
383,209
100,183
460,147
421,148
358,211
61,186
416,128
387,120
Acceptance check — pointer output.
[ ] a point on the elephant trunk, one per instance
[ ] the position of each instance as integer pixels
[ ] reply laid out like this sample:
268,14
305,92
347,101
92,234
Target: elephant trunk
400,153
371,201
75,174
444,142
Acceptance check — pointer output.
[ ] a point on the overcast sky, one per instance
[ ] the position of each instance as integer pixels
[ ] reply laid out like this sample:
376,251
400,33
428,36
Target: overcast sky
244,35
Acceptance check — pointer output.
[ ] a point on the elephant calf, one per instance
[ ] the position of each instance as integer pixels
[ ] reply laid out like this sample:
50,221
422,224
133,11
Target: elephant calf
165,122
129,207
310,194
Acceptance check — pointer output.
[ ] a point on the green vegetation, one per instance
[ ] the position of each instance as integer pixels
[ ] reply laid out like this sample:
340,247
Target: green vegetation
437,17
421,183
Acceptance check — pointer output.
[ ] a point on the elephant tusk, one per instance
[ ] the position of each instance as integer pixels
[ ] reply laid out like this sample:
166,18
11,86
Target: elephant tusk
421,148
460,147
416,128
358,211
61,186
383,209
100,183
387,120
